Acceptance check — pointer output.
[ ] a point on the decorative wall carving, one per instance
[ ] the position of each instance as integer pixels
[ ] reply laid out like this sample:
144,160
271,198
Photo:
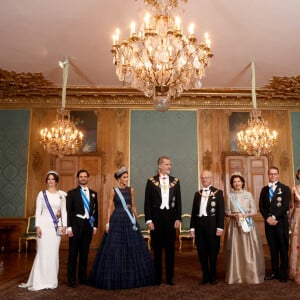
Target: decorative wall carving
120,116
119,159
37,162
284,161
207,160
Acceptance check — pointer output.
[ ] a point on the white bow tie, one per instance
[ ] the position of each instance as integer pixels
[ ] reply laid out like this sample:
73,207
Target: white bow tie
272,184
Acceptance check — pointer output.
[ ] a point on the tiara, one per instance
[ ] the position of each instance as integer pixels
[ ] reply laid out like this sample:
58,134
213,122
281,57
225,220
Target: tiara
236,173
121,171
52,172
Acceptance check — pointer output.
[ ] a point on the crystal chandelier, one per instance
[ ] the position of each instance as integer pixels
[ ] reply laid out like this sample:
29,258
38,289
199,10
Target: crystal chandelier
256,139
158,58
63,138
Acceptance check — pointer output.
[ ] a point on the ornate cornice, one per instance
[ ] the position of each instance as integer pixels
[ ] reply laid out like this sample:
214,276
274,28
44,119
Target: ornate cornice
284,86
32,90
12,83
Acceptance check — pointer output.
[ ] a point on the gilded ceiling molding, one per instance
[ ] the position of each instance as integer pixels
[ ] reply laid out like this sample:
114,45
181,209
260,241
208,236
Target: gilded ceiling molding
284,86
12,83
32,90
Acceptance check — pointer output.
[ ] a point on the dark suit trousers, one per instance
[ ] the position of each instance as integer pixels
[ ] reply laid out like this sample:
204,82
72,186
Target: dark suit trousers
164,236
208,245
79,244
279,247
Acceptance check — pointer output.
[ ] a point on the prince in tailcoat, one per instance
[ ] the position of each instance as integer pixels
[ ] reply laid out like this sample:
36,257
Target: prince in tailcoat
207,226
163,222
274,209
81,226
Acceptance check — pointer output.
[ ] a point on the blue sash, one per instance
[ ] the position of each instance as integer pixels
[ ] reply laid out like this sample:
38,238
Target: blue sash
131,216
236,202
55,220
86,204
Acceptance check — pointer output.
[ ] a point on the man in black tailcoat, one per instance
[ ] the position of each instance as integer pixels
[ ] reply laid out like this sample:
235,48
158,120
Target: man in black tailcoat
163,216
82,209
274,204
207,225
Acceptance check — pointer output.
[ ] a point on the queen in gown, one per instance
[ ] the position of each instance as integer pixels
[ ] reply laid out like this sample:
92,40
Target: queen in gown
123,259
294,221
243,251
44,272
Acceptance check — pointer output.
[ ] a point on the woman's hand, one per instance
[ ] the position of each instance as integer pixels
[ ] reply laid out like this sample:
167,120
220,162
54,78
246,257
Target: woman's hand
64,230
39,232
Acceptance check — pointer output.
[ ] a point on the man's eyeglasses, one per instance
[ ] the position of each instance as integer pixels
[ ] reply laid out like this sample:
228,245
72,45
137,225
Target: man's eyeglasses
273,174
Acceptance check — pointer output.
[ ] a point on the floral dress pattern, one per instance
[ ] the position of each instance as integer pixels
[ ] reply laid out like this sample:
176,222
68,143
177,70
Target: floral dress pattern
294,218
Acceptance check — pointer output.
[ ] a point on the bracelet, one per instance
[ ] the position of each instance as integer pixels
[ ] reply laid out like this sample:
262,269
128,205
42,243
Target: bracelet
107,225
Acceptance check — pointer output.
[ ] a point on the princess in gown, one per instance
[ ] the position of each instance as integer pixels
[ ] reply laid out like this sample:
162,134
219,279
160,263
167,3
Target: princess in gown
123,259
244,255
294,221
45,267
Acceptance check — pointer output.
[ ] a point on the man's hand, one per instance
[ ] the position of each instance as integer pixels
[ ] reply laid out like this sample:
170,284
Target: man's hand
150,226
177,224
219,232
271,221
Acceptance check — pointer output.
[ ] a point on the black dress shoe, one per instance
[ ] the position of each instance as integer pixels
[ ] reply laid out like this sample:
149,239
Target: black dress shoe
170,282
213,282
157,282
72,285
203,281
271,277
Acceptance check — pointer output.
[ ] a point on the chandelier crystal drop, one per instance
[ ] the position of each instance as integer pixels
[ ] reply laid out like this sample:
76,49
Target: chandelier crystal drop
158,58
63,138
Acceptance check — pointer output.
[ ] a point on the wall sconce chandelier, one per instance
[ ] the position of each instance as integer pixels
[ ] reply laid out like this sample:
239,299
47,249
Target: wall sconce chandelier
62,138
256,139
158,58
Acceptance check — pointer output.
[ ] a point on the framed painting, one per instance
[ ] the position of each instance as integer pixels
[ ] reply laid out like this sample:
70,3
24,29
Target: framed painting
86,122
237,121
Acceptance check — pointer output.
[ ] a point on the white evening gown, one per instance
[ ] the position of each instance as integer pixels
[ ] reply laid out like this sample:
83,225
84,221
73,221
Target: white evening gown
45,267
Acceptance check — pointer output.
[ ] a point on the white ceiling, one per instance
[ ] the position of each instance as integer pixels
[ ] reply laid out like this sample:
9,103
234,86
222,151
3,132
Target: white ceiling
36,34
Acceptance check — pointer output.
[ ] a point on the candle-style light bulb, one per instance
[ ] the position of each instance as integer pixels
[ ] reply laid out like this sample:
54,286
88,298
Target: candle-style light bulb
177,23
191,29
147,20
132,28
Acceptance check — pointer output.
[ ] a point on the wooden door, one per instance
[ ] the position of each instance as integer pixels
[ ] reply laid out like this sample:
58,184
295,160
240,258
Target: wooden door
255,172
67,168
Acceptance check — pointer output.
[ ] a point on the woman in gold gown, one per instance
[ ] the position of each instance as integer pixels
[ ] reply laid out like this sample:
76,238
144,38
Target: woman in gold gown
294,221
244,255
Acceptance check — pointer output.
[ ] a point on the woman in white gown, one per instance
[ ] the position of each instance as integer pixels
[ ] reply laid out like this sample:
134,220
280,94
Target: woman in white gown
45,267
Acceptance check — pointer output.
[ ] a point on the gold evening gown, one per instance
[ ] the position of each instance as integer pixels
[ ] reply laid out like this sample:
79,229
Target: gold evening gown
244,255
